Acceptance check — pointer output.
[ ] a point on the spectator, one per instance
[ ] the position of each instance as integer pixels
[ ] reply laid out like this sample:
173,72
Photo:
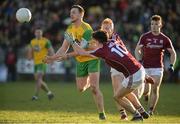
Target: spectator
10,61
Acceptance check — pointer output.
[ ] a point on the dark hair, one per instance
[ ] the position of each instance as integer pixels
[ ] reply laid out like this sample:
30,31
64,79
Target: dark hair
80,8
100,36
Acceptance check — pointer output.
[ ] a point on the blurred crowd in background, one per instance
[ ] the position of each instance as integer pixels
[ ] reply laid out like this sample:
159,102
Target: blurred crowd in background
131,18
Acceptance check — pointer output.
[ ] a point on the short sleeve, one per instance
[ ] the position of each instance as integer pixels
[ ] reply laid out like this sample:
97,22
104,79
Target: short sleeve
48,44
168,43
87,35
141,40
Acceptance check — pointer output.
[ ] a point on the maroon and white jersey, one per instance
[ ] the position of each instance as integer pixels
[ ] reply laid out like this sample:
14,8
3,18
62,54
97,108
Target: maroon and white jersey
153,49
117,56
117,38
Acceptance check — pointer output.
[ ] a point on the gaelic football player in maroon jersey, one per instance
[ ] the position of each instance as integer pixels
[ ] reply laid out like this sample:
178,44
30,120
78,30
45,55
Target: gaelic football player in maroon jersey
117,56
150,49
116,76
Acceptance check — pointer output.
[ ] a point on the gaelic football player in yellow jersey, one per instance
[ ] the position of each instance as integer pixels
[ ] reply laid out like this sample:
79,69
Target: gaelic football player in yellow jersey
40,47
87,68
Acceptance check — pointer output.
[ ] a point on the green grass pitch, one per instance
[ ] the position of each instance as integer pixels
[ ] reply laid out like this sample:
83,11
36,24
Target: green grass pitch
70,106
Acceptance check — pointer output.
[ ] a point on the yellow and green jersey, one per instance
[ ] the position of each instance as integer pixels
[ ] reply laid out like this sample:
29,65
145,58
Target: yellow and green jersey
83,31
40,49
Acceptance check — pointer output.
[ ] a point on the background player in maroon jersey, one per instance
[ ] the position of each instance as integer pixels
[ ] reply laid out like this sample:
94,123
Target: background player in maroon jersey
116,76
116,55
150,49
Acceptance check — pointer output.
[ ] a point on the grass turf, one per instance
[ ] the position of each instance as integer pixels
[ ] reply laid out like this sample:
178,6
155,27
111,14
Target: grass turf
70,106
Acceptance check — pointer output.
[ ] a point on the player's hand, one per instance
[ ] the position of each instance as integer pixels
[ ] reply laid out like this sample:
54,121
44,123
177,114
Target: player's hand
149,79
62,57
69,38
48,59
171,68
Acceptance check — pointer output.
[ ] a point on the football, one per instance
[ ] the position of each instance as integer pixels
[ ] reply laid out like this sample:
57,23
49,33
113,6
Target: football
23,15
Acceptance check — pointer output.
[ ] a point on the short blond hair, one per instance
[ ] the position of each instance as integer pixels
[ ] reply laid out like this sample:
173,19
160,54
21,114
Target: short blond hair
156,18
107,21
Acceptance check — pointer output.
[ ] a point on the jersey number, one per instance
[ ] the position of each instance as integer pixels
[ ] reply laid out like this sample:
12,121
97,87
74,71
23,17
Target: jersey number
121,52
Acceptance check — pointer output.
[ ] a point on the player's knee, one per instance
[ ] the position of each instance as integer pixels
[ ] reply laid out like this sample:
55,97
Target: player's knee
94,89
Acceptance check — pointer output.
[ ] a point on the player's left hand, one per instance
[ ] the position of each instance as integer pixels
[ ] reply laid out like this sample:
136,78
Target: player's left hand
171,68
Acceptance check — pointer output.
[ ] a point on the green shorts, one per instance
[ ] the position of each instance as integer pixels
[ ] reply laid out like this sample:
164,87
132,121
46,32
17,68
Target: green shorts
84,68
40,68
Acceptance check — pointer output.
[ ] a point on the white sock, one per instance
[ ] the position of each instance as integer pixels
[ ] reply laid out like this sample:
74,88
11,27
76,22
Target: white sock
49,92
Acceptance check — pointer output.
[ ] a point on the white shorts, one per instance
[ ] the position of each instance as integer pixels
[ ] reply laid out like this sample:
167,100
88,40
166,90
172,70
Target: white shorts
154,71
138,92
135,80
114,72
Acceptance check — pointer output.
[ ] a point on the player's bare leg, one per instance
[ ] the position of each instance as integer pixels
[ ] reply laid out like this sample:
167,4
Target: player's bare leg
126,103
135,101
97,94
40,84
47,90
92,81
116,83
154,97
147,91
82,83
37,77
139,91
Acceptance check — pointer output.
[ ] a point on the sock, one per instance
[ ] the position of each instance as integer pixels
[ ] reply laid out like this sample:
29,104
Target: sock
136,114
141,110
36,97
49,92
101,113
122,112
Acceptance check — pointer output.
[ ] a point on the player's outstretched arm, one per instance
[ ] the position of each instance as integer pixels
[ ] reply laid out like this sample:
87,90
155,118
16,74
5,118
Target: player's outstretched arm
66,56
64,48
61,51
76,47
